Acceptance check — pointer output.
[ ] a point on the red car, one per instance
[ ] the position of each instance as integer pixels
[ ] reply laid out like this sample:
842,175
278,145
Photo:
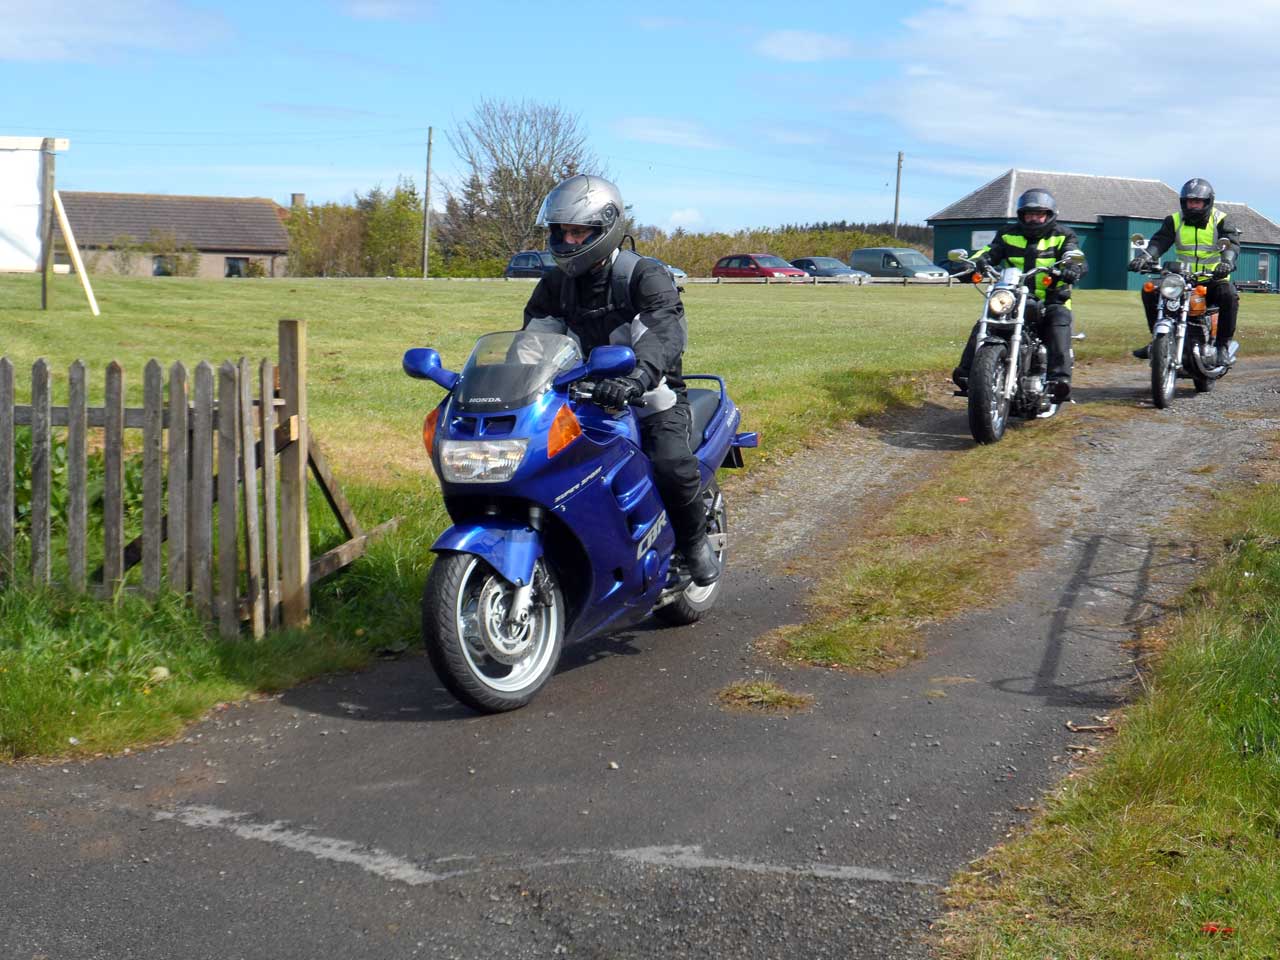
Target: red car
755,265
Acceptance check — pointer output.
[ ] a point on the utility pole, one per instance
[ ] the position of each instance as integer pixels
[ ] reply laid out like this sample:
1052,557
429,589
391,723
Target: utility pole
897,194
47,147
426,209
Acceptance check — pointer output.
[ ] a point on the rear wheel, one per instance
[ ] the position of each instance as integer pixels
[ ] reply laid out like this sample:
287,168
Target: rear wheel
1164,371
482,657
988,405
694,601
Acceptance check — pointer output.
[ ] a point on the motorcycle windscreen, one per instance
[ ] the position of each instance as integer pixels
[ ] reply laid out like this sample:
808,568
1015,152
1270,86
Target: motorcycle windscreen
507,371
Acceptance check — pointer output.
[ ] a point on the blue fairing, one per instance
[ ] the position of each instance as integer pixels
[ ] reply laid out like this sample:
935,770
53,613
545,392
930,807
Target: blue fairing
600,522
510,548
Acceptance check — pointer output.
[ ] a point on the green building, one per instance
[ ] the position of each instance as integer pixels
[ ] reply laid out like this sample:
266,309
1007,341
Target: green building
1104,212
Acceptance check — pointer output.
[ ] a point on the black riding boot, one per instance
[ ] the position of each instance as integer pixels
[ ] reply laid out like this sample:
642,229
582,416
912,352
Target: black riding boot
689,524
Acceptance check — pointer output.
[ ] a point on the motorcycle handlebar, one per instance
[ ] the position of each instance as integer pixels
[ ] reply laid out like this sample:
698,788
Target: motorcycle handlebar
585,390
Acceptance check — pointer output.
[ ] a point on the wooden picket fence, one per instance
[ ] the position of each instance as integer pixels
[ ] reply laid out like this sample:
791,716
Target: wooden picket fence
235,517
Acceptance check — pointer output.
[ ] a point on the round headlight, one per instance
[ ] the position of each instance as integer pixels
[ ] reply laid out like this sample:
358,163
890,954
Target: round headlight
1000,302
1171,287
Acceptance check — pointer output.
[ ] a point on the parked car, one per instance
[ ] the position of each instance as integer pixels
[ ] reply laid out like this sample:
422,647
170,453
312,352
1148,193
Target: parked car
755,265
529,263
830,267
676,273
896,262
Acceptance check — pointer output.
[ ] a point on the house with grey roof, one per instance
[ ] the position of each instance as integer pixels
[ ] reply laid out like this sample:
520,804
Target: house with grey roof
144,234
1104,212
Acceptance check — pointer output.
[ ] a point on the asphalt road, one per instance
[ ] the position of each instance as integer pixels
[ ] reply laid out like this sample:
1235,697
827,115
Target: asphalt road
626,813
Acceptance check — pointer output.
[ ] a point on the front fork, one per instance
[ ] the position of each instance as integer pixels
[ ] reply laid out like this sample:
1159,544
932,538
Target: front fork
1166,326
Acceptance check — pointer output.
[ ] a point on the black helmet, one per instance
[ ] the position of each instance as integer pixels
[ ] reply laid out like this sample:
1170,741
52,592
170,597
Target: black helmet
1196,189
1037,198
588,202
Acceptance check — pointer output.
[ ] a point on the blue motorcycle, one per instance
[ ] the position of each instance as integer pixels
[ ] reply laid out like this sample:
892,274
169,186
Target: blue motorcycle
558,529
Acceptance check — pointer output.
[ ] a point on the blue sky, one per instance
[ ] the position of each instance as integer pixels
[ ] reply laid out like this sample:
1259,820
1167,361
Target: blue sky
709,116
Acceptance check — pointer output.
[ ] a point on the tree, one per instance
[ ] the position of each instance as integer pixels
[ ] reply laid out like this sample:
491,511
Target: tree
514,154
392,230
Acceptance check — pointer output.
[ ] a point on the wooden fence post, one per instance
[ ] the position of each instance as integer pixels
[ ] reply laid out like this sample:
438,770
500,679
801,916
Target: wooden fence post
77,475
267,394
179,478
40,470
228,471
200,539
152,486
7,494
113,482
249,477
295,548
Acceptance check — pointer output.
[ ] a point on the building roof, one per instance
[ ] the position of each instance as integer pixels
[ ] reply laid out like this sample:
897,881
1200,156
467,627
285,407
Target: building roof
1084,198
248,224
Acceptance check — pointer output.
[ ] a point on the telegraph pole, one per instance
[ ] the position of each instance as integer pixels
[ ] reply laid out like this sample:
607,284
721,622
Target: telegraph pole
897,194
426,209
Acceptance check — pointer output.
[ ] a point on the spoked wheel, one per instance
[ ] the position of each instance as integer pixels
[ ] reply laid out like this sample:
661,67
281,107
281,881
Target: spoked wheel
1164,371
484,657
694,601
988,405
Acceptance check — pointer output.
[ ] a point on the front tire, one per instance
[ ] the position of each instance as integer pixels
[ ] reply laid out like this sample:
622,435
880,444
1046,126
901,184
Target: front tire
484,661
988,405
694,601
1164,371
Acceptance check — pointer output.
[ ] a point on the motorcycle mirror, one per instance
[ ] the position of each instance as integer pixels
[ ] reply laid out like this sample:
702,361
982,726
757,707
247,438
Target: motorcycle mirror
611,361
423,363
1139,241
958,254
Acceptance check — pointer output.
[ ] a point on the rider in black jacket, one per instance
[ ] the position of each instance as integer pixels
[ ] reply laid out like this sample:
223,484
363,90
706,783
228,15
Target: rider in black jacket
588,296
1037,239
1195,233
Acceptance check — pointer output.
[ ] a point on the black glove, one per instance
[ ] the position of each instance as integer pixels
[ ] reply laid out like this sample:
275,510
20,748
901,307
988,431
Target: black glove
1223,270
616,393
1139,263
1070,272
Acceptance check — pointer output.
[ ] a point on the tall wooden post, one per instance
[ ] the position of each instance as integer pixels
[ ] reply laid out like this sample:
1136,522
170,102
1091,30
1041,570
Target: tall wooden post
897,193
46,218
295,547
426,209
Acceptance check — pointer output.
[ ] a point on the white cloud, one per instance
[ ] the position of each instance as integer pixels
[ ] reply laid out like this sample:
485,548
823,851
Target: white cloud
670,133
790,137
388,9
686,217
802,46
1103,103
94,30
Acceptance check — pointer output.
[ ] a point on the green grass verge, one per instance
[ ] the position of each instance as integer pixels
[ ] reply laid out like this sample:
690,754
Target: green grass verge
1178,827
799,361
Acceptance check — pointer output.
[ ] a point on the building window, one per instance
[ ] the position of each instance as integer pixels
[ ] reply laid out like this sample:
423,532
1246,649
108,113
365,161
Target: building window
1264,267
162,266
236,267
980,238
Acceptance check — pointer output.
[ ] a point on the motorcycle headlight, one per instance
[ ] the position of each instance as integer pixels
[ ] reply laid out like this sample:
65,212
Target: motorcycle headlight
1171,287
1000,302
481,461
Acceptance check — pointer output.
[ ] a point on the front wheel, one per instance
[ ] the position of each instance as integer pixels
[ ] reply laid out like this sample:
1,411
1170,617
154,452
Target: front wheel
1164,371
694,601
988,405
483,658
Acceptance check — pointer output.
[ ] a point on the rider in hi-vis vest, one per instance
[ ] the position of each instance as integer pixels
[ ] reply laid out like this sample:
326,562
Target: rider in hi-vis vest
1036,240
1194,234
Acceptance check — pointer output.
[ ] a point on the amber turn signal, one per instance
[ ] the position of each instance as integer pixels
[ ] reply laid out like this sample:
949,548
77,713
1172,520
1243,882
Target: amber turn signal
1201,291
564,430
429,429
1148,287
977,278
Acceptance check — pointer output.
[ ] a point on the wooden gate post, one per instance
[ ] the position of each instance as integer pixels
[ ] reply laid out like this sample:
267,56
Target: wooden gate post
295,547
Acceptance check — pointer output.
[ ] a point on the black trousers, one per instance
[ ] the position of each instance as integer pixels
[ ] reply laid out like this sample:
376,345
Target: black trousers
667,440
1219,293
1053,327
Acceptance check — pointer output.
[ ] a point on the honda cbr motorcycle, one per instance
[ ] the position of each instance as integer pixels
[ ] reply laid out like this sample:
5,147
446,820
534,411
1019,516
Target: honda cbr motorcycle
1010,368
559,532
1184,338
